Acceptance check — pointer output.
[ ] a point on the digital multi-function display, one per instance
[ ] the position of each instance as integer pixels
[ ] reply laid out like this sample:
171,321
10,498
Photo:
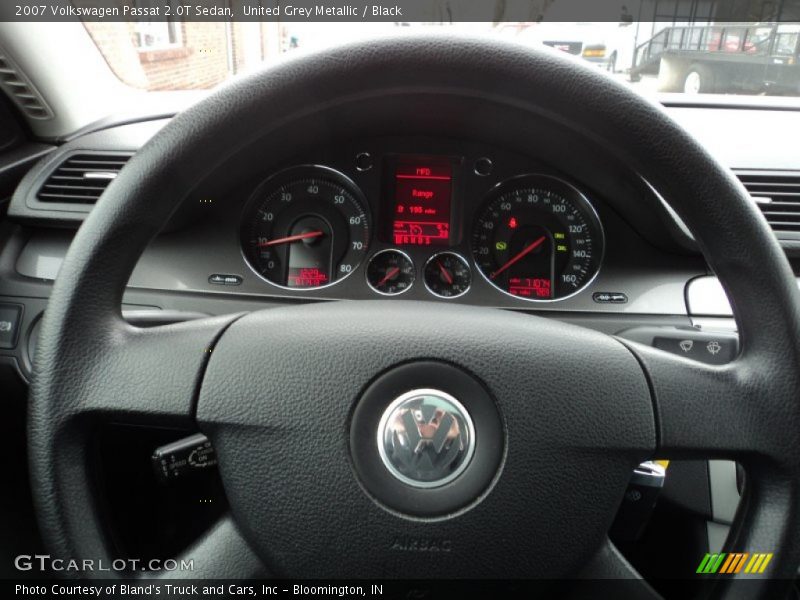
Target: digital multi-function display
422,195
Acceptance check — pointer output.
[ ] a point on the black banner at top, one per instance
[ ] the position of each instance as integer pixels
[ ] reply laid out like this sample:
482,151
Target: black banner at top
410,11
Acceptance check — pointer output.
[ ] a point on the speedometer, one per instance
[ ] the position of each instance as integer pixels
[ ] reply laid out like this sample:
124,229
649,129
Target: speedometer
537,238
306,227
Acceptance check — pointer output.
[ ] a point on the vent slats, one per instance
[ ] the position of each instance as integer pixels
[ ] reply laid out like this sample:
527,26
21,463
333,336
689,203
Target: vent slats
81,178
771,193
21,90
778,215
72,188
778,197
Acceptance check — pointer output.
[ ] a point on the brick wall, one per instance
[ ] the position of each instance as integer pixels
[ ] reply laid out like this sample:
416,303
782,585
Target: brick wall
199,61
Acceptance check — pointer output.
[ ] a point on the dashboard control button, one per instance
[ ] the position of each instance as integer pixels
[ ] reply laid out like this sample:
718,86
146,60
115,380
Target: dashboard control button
639,501
609,297
224,279
708,348
483,167
185,457
9,324
711,347
363,161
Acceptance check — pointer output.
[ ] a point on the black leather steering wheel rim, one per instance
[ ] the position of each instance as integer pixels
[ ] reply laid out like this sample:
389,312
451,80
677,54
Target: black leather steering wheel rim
91,367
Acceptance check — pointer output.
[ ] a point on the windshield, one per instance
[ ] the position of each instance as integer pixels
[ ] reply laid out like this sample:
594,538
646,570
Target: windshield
676,57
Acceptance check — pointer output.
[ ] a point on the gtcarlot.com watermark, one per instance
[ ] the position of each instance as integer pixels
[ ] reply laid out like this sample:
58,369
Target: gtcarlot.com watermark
45,563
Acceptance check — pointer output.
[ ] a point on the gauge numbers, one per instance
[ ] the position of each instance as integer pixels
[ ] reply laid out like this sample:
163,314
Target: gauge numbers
537,238
305,228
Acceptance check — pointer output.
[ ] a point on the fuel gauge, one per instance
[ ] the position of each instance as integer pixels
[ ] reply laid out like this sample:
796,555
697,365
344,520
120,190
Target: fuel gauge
447,275
390,272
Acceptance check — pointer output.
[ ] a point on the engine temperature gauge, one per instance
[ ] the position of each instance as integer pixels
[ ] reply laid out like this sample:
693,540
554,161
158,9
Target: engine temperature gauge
390,272
447,275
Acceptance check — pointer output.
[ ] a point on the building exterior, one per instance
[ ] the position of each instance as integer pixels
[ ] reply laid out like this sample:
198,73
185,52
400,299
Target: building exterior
169,55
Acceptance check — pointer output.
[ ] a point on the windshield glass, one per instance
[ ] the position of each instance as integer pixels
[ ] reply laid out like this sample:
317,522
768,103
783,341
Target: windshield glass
677,57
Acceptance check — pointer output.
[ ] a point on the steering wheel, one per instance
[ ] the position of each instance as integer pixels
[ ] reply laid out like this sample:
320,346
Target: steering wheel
293,397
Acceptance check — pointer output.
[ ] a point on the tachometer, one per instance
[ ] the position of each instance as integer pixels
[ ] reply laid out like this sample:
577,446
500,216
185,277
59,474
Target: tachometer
538,238
306,227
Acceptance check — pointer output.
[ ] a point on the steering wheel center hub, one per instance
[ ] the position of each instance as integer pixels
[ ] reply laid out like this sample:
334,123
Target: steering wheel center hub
426,438
469,421
425,453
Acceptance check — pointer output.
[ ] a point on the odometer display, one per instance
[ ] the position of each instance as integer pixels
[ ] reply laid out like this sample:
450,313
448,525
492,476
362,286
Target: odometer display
306,227
537,238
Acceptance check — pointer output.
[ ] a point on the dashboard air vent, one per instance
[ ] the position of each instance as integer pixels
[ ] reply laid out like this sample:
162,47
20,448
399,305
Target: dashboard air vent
777,194
21,90
81,178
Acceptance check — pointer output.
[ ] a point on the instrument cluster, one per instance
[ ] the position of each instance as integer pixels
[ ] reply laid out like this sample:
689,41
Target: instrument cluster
441,221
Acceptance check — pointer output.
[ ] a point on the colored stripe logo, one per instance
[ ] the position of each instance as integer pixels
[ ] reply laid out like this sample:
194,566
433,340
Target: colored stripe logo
734,562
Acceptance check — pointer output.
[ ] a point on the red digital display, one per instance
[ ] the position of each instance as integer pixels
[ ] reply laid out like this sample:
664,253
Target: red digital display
529,287
422,203
306,277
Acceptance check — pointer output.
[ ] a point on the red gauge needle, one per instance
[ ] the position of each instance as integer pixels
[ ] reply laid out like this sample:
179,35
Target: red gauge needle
389,274
291,238
527,250
445,273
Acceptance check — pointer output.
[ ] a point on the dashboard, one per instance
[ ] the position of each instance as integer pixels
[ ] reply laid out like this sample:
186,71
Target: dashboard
549,224
415,217
436,219
439,221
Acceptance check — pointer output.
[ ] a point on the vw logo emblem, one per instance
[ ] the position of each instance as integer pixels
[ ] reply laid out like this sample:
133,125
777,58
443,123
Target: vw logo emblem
426,438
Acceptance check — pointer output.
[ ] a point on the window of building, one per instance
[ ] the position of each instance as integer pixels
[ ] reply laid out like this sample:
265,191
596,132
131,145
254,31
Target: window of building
156,35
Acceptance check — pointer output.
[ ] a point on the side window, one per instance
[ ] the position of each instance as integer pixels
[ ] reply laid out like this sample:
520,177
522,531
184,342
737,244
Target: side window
693,39
714,39
156,35
757,40
733,40
786,44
